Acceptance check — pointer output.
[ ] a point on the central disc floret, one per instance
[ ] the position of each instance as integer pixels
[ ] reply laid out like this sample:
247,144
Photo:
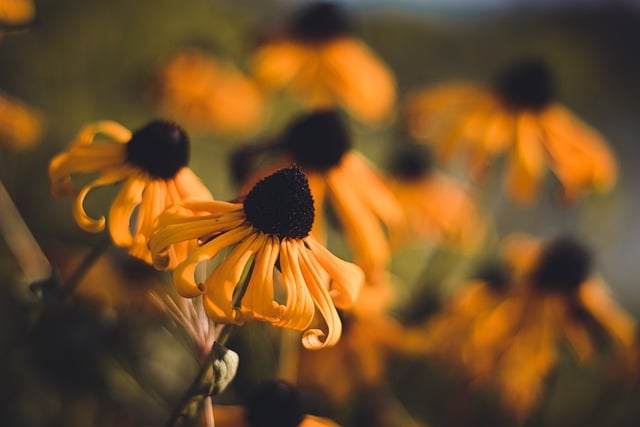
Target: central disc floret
161,148
562,266
318,140
526,85
411,161
274,404
281,204
319,22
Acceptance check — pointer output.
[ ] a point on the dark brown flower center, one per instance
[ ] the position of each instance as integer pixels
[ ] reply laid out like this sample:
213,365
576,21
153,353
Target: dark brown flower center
160,148
319,22
526,85
562,266
318,140
281,204
274,404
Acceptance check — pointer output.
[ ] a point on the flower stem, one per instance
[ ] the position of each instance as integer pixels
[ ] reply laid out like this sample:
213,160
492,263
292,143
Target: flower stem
96,252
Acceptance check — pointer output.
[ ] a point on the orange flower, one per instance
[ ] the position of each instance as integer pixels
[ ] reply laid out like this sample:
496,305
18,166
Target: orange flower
320,144
511,339
20,125
435,206
517,116
319,61
199,90
152,162
268,233
16,13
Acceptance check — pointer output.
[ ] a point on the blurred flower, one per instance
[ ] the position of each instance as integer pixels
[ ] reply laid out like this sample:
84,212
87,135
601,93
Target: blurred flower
318,59
320,144
359,360
517,115
269,229
436,207
273,403
20,125
510,337
151,162
199,90
15,13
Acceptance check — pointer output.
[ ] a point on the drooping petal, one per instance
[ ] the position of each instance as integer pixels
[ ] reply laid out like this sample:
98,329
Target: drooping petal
80,215
318,288
184,274
359,79
122,207
299,309
222,285
277,64
190,187
259,298
526,161
346,278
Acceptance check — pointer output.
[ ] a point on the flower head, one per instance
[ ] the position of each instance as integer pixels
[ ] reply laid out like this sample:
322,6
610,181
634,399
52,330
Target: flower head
436,207
275,271
319,61
519,116
152,164
320,144
204,92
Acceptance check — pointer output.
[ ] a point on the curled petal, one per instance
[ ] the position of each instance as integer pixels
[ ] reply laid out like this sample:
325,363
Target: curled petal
318,288
298,311
222,296
129,196
346,278
184,274
190,187
259,299
80,215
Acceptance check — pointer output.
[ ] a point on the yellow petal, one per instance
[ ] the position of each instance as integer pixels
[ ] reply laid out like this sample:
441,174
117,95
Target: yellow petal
184,274
299,308
259,298
129,196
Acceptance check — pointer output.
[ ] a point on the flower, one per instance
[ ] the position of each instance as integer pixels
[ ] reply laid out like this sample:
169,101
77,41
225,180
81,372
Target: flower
510,339
272,403
436,207
517,115
20,125
16,13
200,90
317,59
320,144
151,162
268,236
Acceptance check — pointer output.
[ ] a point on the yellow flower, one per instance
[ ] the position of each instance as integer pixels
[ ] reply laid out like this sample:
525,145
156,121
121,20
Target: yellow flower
151,162
511,339
16,12
318,60
268,237
320,144
199,90
517,116
435,206
20,125
273,403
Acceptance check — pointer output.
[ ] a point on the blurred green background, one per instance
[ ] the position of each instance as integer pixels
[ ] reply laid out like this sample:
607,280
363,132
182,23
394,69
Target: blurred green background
83,61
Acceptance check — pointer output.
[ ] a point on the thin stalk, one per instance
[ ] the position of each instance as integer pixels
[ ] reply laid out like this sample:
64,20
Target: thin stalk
87,262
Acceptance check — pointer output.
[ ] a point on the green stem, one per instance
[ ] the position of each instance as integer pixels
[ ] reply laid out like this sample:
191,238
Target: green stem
87,262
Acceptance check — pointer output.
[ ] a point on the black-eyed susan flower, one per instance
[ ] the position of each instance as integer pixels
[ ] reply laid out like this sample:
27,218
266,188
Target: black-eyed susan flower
517,116
152,164
273,403
436,207
267,235
554,297
15,13
320,144
21,126
318,59
204,92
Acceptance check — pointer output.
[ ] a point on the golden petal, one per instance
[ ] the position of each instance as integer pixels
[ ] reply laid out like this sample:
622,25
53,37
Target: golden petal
122,207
